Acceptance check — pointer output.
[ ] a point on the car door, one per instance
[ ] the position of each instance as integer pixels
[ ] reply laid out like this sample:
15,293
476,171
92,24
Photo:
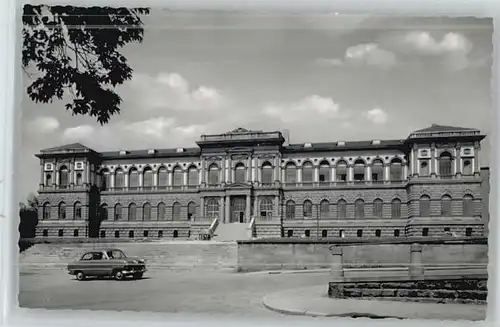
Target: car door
98,264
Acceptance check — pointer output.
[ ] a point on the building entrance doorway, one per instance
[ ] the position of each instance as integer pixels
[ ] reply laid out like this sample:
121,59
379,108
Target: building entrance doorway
238,208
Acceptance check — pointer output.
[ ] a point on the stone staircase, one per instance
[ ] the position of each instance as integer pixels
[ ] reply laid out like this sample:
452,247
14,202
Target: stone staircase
231,232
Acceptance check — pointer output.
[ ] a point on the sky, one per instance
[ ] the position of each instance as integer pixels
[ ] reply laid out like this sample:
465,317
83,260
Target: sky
323,77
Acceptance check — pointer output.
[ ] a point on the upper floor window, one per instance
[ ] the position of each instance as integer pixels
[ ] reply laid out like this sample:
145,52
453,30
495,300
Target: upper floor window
162,177
445,164
119,179
467,170
341,171
324,172
48,179
148,178
377,170
193,176
267,173
359,170
239,173
105,179
290,173
307,172
133,178
396,170
213,174
178,177
63,176
424,168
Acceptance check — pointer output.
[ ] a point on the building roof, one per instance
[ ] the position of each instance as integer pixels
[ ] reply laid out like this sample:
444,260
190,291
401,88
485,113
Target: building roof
435,128
66,147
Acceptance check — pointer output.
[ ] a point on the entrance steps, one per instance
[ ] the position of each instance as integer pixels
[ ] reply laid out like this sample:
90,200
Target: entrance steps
231,232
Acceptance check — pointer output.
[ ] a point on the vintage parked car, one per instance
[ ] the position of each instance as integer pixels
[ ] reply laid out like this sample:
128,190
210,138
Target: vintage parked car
107,263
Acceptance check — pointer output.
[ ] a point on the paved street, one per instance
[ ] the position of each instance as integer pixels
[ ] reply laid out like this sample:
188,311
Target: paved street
162,291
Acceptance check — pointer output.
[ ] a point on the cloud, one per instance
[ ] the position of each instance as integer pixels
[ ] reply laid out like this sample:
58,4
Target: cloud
452,50
78,134
44,125
171,91
314,105
333,62
370,54
424,43
376,116
154,127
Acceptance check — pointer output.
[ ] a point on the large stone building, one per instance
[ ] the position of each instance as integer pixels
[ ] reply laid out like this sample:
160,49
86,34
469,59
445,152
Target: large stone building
428,184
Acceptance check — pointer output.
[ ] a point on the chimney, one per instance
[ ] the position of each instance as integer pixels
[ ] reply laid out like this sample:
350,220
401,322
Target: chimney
286,135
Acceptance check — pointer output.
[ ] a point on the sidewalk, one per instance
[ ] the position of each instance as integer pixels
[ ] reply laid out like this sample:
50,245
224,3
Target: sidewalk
313,301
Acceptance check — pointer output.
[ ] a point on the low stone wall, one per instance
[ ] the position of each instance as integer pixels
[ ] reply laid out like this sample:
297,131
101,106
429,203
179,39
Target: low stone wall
258,255
437,289
175,255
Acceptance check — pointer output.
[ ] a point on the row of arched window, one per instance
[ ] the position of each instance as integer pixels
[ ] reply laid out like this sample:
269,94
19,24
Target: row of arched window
445,166
64,178
147,212
291,175
62,211
468,206
325,207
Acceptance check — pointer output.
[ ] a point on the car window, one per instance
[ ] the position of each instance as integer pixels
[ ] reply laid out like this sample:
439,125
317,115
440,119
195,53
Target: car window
87,256
115,254
96,256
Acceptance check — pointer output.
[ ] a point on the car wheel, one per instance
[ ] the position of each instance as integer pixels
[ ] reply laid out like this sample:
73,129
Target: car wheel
138,275
80,276
119,275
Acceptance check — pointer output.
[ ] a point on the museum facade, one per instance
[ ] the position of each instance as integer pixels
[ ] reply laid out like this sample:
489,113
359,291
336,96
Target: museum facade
428,184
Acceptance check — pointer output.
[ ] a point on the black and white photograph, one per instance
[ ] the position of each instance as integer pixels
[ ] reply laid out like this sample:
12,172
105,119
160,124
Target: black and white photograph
255,163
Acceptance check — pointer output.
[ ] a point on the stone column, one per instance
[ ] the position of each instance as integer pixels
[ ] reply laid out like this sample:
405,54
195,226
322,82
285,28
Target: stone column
368,176
72,173
155,178
332,174
316,174
387,172
433,161
57,177
42,174
476,166
276,212
54,174
337,266
202,208
170,177
416,268
111,181
125,179
249,170
277,173
222,209
227,209
247,209
141,179
202,171
254,169
185,178
254,206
